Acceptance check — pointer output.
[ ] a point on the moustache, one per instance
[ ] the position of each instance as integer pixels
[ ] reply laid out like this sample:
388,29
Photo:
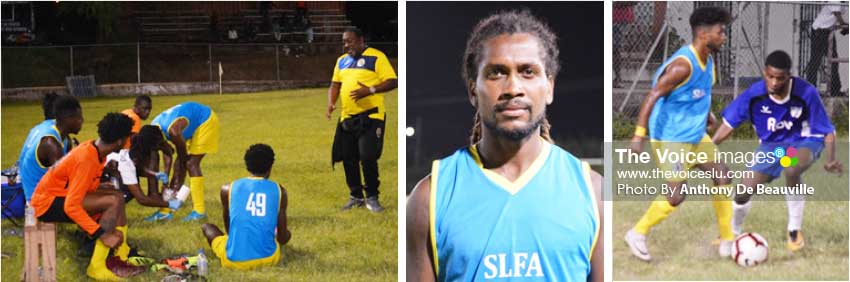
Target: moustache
513,103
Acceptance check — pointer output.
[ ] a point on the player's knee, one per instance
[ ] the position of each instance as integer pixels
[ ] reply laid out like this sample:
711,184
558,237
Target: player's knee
676,200
793,172
207,228
722,172
115,200
742,199
225,192
193,164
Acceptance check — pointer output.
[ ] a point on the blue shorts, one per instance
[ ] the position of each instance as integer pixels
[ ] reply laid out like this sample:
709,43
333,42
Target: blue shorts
775,168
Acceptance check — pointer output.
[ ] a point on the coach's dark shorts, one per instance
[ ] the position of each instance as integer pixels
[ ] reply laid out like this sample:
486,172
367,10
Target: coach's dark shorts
364,141
56,212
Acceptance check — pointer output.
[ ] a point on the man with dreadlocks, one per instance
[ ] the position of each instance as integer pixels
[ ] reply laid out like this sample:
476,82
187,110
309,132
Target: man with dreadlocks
512,204
676,112
136,162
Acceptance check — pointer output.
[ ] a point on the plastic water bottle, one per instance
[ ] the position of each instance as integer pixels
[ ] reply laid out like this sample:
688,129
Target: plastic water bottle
30,216
183,193
202,263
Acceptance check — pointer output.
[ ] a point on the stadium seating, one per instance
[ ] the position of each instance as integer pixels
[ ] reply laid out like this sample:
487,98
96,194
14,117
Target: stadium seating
158,25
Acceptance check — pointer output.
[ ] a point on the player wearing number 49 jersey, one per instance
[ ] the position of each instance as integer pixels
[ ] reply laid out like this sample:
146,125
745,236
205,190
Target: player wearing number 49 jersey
254,216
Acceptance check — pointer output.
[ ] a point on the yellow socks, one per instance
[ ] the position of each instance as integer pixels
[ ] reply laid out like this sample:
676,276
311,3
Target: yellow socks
658,211
123,250
723,209
97,266
196,186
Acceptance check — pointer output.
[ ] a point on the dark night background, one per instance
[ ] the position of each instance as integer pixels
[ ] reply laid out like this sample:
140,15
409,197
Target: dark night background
437,104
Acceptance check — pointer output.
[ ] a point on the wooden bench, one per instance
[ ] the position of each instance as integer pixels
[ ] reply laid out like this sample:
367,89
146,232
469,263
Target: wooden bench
39,249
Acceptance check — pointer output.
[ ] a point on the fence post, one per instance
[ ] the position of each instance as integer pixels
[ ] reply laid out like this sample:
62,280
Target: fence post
736,68
827,60
642,67
209,60
72,60
277,61
138,64
666,32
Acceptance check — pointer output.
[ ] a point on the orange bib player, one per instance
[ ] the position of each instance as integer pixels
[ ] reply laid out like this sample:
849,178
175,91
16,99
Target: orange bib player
140,111
69,192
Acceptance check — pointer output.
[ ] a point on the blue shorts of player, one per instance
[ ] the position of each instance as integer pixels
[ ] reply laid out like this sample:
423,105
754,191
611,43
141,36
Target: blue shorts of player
773,168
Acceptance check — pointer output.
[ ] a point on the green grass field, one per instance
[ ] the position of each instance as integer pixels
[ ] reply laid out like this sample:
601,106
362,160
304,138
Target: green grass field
327,245
681,246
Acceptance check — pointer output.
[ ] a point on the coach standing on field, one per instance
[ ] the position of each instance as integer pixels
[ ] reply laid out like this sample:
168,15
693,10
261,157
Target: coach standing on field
362,75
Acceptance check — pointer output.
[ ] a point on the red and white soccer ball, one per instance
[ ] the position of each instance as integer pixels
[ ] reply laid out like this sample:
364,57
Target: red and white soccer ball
750,249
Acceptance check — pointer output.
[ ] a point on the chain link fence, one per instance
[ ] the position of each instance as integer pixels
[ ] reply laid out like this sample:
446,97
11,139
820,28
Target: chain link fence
646,33
39,66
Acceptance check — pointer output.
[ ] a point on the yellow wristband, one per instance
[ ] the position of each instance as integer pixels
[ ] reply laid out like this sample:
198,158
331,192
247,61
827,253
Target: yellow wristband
640,131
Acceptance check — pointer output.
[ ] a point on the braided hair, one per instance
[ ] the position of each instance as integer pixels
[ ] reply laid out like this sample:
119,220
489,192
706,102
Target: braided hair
509,22
145,142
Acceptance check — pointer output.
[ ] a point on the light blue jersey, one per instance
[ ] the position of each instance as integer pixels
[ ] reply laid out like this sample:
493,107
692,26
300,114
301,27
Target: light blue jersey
254,206
195,113
681,116
30,169
541,227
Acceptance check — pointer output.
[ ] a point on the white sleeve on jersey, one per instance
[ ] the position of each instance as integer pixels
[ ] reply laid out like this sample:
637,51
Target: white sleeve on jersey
125,166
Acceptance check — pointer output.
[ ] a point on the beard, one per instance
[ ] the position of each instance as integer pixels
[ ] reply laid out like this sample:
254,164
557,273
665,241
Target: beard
516,134
713,48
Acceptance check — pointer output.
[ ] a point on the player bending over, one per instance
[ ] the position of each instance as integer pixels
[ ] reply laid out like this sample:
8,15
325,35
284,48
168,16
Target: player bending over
786,112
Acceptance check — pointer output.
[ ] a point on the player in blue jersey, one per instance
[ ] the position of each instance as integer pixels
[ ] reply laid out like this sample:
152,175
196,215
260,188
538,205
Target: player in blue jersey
193,129
47,103
786,111
677,113
512,205
47,142
254,216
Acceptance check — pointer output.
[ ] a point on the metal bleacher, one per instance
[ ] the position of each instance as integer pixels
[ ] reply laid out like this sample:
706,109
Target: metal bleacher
195,26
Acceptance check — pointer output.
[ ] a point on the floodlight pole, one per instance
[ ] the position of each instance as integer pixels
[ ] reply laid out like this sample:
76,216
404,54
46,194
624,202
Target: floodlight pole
138,64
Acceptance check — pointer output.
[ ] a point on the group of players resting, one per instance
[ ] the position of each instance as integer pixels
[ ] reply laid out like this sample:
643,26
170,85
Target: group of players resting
68,181
785,111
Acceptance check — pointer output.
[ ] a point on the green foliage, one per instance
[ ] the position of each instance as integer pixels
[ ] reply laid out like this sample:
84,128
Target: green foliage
623,127
105,13
326,245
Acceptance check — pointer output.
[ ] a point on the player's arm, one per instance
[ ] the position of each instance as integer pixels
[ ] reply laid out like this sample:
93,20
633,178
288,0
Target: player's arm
225,206
365,90
333,95
283,234
77,190
839,18
49,151
386,75
819,123
723,132
710,122
735,113
676,73
831,165
419,251
145,200
176,134
597,263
